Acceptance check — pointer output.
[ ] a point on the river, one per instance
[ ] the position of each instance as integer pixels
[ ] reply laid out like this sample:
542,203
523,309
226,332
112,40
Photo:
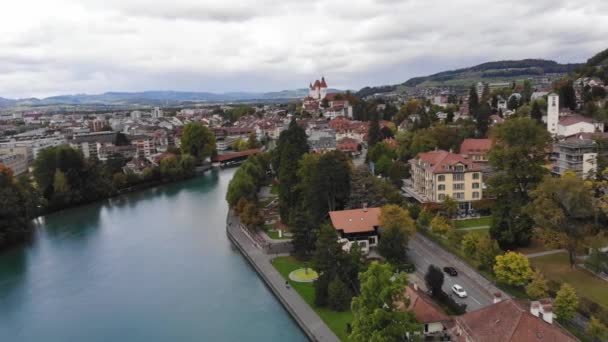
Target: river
150,266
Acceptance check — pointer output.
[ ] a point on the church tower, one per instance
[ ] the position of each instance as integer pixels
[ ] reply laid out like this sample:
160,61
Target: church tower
552,113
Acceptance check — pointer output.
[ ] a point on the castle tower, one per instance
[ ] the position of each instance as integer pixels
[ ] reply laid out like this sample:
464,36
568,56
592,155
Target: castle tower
323,89
552,113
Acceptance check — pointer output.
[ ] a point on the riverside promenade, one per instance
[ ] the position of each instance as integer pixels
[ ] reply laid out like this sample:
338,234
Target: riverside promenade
302,313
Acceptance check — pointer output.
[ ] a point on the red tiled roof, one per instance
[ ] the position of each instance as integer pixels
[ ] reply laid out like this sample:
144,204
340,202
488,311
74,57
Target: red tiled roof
228,156
323,84
355,220
424,308
475,145
507,321
574,119
439,161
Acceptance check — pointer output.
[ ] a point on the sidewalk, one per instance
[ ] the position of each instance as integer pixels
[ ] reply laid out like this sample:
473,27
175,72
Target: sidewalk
539,254
303,314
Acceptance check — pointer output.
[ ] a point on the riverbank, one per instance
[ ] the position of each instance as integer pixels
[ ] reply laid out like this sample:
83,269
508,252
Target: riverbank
308,320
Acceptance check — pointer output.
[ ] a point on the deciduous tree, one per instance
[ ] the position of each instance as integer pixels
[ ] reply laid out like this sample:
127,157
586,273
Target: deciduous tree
197,141
538,287
512,268
566,302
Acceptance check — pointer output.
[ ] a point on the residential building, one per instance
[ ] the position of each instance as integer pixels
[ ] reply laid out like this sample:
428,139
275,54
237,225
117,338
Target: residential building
476,149
360,226
16,162
578,154
157,113
322,140
511,321
90,143
574,124
144,145
439,174
434,320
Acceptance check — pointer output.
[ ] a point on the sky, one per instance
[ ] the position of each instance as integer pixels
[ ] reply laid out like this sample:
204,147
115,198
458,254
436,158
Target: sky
52,47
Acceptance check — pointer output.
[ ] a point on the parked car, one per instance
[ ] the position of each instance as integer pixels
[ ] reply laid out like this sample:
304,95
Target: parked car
459,291
450,270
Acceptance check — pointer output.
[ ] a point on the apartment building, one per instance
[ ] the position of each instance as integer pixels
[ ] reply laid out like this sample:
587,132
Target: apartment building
439,174
578,154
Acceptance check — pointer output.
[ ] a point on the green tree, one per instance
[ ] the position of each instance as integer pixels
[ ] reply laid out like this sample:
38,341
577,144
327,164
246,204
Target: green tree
119,180
14,224
473,99
449,207
253,142
376,317
536,113
526,94
538,287
597,261
441,225
564,206
398,172
304,233
567,95
434,280
292,145
393,245
565,303
512,268
487,251
597,330
482,121
197,141
393,216
469,244
339,295
517,158
373,134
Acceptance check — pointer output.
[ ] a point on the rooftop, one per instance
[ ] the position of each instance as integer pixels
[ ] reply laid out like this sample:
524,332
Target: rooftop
355,220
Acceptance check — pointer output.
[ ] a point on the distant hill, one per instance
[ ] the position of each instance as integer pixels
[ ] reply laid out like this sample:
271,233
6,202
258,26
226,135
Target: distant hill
600,59
488,72
154,98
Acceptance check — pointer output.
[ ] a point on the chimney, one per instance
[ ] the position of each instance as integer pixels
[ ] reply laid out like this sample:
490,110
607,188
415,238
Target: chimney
497,297
535,308
364,206
416,287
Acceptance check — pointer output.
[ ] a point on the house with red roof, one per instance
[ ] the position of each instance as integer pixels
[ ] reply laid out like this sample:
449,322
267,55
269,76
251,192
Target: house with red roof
439,174
357,226
476,149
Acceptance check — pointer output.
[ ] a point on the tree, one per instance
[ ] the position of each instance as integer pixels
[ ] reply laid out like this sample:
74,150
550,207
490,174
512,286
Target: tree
197,141
449,206
517,158
339,295
469,244
434,279
487,250
376,316
393,245
373,134
526,94
304,233
482,120
397,172
393,216
536,113
567,95
473,100
14,224
565,303
597,330
512,268
365,188
538,287
597,261
253,142
441,225
565,206
513,102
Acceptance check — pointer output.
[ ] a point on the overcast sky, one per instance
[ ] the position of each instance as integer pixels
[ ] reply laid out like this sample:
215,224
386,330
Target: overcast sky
50,47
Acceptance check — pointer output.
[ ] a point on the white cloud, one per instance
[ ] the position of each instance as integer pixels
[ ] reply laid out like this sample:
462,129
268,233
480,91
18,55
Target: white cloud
49,47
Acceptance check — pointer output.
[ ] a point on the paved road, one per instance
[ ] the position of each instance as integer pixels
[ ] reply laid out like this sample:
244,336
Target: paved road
424,252
304,315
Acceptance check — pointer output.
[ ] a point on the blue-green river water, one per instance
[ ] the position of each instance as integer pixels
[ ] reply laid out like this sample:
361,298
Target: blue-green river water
150,266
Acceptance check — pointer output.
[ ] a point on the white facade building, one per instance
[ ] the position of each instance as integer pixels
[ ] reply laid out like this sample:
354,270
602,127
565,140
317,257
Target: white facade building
552,113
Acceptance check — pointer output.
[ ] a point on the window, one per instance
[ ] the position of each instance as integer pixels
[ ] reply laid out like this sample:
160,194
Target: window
476,175
459,168
441,197
441,187
475,194
458,186
475,185
458,177
372,240
441,178
459,195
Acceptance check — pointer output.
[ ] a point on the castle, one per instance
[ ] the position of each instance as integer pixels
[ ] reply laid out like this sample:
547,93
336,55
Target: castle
318,90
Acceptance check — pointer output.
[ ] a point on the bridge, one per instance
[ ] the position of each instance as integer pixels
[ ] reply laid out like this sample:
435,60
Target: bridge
234,157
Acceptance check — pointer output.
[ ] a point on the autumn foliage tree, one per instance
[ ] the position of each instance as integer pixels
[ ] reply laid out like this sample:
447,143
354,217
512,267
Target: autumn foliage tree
512,268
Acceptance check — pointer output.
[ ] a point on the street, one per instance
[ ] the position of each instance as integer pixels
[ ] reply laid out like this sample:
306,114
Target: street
423,252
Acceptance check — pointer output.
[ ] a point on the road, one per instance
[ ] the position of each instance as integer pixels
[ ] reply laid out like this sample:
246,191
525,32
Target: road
424,252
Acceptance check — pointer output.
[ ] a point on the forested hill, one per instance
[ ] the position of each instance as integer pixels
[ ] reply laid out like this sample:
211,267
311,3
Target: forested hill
489,72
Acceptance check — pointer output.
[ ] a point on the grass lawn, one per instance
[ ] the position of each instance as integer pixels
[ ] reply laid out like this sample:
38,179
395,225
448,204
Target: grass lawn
474,222
336,321
557,267
273,233
481,232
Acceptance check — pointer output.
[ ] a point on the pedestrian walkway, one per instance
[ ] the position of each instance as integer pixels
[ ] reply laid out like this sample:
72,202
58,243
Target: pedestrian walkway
539,254
474,228
303,314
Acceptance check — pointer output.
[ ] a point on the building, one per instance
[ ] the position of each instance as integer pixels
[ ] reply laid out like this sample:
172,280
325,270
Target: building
476,149
144,145
321,141
157,113
578,154
439,174
16,162
360,226
318,91
511,321
435,322
90,143
575,124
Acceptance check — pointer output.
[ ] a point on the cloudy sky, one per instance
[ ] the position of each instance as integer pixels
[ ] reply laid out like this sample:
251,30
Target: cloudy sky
50,47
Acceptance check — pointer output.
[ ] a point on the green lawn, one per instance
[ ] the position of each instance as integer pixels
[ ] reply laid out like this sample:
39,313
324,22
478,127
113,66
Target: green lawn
475,222
273,233
480,232
336,321
557,267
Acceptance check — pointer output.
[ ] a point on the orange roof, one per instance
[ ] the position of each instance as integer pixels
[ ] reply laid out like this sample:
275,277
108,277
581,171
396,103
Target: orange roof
439,161
507,321
355,220
475,145
228,156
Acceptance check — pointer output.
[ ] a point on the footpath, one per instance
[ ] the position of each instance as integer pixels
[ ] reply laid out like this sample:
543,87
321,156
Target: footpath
302,313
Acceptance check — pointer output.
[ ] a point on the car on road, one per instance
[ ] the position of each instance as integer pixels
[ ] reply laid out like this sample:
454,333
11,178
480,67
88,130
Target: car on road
459,291
450,270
